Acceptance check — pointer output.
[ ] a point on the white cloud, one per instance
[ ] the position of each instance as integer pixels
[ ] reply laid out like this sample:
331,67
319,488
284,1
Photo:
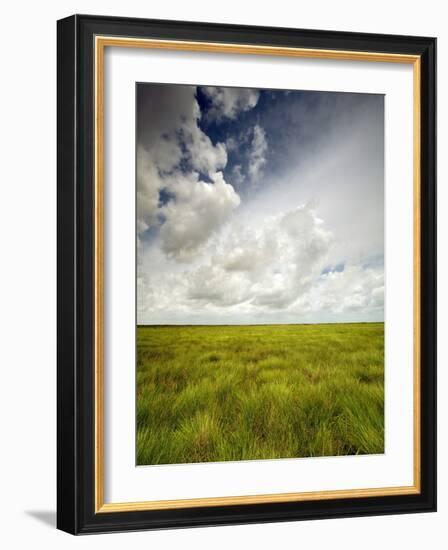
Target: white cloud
229,102
197,210
203,155
237,175
169,134
264,272
257,156
353,289
270,266
253,142
231,144
210,285
149,184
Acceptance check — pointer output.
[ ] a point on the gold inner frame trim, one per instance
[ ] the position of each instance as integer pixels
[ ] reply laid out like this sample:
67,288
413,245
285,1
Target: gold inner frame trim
101,42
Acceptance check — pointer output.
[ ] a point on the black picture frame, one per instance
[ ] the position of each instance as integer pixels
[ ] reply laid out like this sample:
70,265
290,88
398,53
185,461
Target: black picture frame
76,270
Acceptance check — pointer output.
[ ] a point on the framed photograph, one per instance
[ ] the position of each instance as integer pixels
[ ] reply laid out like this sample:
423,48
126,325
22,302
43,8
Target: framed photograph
246,274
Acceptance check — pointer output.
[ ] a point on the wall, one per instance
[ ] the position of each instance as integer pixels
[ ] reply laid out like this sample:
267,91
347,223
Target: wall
27,289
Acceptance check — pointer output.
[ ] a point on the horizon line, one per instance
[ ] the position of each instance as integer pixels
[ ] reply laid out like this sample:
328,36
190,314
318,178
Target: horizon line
258,324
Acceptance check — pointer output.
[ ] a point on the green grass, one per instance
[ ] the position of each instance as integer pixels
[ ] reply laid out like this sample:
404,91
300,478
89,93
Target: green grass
214,393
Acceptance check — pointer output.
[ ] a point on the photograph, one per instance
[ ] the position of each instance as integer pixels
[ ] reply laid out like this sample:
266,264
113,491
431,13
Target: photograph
259,273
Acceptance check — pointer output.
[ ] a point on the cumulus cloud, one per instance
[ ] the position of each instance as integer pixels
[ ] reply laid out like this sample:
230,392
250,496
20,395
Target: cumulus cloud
202,154
149,184
353,289
305,246
269,266
197,210
229,102
168,137
209,285
274,271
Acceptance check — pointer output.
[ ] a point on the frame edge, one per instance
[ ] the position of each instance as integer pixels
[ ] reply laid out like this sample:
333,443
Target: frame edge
67,501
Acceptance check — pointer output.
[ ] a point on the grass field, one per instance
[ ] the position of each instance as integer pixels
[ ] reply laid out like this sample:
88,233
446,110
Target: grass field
214,393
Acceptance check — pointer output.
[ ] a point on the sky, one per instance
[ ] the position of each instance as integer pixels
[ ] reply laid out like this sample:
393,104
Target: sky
258,206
